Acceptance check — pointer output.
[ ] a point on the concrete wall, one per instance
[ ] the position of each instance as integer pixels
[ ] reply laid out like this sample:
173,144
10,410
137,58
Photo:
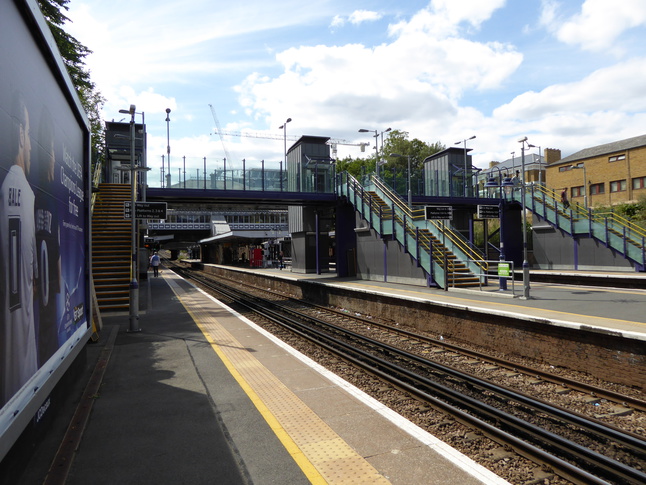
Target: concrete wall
385,260
601,354
554,249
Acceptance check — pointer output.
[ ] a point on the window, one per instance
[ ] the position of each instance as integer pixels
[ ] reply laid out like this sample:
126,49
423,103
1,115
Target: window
616,158
578,191
618,186
596,189
639,183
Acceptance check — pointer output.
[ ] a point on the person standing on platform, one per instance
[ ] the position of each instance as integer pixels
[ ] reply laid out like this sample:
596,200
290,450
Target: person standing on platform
18,251
154,262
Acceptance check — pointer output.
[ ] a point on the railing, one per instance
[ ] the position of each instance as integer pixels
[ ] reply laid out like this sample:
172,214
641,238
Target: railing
493,272
455,240
95,183
610,229
411,229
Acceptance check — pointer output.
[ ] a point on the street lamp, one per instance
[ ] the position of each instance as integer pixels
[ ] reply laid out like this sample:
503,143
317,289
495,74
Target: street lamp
500,182
465,161
284,128
410,192
168,146
376,135
585,183
134,284
523,188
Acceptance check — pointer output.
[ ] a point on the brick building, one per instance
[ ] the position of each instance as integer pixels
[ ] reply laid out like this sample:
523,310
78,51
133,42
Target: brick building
607,174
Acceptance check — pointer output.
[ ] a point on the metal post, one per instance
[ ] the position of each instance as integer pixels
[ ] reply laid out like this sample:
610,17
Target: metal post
410,191
465,161
168,177
134,284
523,189
502,281
284,128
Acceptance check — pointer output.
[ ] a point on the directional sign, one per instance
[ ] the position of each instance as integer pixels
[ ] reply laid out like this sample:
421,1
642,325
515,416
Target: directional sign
439,212
146,210
488,212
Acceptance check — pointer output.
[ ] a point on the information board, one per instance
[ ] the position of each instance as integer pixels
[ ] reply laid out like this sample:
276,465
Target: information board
488,212
439,212
145,210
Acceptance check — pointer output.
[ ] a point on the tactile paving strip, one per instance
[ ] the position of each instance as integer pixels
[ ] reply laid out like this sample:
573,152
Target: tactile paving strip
293,422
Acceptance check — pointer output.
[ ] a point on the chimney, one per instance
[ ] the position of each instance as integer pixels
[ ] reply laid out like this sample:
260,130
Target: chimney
551,155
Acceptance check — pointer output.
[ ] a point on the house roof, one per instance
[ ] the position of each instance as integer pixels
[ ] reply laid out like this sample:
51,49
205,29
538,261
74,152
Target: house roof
532,162
606,149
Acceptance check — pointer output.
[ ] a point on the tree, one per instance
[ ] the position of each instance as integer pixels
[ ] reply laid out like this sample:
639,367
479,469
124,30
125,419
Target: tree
74,54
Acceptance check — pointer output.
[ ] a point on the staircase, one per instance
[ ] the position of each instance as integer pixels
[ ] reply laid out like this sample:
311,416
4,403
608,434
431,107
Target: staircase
111,254
609,229
441,252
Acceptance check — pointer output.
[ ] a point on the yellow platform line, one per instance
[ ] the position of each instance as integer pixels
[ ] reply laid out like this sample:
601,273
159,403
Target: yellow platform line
320,453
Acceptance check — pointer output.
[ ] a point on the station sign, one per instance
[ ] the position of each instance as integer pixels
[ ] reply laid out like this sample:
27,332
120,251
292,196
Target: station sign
504,269
145,210
439,212
488,212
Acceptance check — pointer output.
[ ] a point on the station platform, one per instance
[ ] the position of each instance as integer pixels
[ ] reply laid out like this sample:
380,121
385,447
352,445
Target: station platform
578,304
201,395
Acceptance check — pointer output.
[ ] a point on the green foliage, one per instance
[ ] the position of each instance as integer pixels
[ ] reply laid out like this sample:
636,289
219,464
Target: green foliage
396,142
74,54
356,167
634,212
72,51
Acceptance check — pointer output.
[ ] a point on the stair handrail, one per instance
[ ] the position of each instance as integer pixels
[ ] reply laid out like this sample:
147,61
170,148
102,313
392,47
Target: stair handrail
619,220
454,237
436,250
95,183
578,212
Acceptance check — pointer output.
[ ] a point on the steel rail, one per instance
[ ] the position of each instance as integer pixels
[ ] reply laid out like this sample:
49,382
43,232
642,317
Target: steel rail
603,465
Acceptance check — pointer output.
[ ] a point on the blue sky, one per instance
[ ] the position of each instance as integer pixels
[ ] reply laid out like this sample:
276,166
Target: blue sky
567,74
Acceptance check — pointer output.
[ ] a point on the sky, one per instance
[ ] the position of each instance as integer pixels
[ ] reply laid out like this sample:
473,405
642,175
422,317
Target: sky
568,74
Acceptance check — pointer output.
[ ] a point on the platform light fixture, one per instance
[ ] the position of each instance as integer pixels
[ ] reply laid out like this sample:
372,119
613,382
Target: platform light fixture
376,135
523,189
410,192
464,142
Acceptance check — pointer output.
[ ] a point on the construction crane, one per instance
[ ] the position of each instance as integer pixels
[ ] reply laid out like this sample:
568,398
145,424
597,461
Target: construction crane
332,142
217,125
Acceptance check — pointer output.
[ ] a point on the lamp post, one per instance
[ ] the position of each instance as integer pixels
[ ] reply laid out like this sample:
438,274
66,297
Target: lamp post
465,161
376,135
284,128
500,182
585,183
410,192
523,188
134,284
168,146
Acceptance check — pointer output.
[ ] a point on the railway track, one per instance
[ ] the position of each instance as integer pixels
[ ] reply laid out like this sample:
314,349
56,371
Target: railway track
570,444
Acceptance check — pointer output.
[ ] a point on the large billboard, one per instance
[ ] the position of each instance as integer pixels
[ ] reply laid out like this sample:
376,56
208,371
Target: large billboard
44,218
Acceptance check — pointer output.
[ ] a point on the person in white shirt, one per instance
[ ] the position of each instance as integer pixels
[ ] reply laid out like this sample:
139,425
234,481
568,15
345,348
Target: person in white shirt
18,251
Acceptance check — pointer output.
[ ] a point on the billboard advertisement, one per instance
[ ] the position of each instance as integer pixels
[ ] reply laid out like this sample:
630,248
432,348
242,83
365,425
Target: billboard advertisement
44,216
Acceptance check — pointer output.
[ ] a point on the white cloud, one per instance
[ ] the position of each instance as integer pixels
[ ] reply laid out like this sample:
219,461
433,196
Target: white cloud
601,22
474,12
360,16
437,74
616,88
337,21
